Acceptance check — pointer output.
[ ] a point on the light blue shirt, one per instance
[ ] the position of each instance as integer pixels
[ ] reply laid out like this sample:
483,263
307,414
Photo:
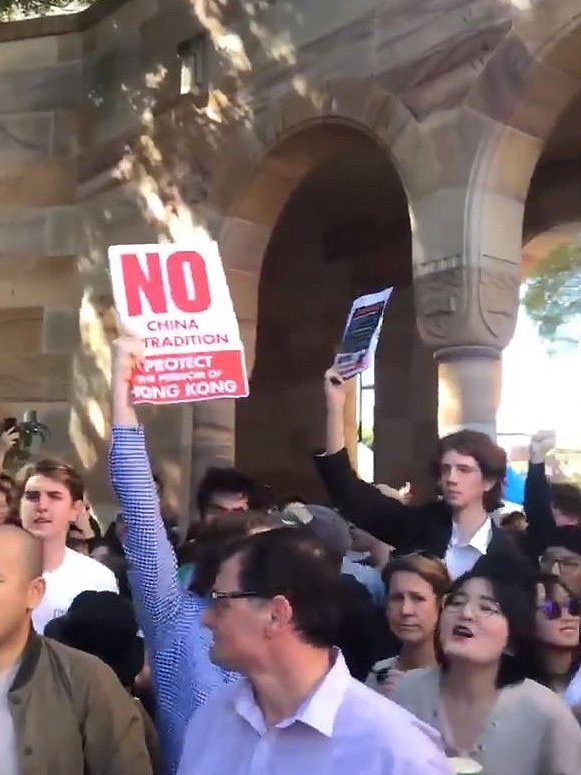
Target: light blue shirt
366,575
343,728
177,643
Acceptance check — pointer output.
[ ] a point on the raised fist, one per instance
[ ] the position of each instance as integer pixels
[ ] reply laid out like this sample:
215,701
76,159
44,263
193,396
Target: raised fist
128,355
541,444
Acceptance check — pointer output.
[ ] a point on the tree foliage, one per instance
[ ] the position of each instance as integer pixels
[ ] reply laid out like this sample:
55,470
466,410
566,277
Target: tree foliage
20,9
367,437
553,295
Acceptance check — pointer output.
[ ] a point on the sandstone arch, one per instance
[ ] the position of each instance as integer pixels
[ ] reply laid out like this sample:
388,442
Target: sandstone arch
290,140
541,54
298,140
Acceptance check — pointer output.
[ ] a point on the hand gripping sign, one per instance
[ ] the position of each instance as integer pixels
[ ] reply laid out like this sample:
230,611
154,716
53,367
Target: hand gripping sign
176,299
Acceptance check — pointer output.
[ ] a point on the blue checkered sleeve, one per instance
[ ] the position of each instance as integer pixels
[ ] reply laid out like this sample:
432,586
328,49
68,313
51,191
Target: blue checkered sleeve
151,561
176,639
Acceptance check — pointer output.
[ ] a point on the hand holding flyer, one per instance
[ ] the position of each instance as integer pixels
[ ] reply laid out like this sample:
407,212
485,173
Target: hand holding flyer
176,300
361,334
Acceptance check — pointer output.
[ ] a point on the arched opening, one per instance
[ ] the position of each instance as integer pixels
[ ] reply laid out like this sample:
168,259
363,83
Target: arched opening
540,388
342,230
554,196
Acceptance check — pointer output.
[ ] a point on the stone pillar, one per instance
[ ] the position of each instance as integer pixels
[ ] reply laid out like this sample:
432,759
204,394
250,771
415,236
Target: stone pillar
469,383
467,316
467,243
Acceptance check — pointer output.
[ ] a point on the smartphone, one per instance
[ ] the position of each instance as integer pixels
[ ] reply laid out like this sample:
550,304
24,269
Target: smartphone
9,424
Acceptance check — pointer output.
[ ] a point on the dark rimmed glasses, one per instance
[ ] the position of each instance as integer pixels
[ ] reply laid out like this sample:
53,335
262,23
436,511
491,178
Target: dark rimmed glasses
565,565
483,606
236,594
554,610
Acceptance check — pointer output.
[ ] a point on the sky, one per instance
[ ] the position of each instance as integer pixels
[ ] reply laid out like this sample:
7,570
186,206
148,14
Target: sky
540,391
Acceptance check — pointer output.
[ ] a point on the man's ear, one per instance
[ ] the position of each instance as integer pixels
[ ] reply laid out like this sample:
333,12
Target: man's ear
281,614
78,511
36,592
489,484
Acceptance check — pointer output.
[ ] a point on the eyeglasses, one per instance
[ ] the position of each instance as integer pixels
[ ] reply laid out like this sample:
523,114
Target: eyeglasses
483,606
236,594
564,564
554,610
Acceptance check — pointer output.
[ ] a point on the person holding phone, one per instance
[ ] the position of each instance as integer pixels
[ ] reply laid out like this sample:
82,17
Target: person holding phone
8,438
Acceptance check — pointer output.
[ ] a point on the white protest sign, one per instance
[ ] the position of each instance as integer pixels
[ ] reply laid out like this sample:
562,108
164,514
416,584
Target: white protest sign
361,334
176,299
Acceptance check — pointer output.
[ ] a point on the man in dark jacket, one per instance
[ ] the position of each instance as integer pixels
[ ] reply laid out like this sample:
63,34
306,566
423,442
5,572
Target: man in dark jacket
469,469
61,711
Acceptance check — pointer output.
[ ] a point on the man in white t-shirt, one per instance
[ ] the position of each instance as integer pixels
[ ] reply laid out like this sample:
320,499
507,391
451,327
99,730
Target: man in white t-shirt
51,502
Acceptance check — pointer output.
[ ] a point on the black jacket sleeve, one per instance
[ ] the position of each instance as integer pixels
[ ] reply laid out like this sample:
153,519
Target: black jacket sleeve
363,504
537,508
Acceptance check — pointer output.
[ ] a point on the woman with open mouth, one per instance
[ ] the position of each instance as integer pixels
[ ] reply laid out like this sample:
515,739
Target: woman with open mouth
481,697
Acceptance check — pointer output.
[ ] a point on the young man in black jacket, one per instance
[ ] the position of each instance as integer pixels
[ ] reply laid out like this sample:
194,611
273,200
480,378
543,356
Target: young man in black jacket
469,469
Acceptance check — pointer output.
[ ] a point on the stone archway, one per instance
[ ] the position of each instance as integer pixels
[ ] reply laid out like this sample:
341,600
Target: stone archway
553,204
526,126
342,230
260,168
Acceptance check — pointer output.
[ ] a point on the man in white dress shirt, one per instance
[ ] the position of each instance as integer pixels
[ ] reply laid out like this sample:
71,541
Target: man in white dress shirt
273,614
52,501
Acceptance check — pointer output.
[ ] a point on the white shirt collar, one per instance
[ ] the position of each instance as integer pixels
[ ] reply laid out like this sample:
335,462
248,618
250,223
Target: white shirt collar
479,540
317,711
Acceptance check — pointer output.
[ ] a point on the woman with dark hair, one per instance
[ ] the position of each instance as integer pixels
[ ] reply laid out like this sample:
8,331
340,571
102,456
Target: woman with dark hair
558,629
414,588
481,698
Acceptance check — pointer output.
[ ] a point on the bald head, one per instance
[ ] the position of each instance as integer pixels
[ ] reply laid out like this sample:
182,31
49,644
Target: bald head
21,550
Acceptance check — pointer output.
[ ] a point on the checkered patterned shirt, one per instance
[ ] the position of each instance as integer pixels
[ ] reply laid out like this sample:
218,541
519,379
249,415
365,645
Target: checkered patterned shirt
177,643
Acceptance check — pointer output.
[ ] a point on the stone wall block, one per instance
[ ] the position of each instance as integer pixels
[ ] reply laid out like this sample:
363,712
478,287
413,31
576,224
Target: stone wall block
61,332
43,89
34,377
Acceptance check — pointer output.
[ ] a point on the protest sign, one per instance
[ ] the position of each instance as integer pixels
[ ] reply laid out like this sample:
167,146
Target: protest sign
361,334
176,299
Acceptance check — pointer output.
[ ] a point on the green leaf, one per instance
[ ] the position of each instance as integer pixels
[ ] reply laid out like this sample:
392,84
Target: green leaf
553,295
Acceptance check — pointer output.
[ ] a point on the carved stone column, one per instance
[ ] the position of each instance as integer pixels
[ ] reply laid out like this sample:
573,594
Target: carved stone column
466,304
467,315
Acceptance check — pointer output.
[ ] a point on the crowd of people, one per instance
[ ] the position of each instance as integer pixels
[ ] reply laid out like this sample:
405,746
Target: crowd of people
369,634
